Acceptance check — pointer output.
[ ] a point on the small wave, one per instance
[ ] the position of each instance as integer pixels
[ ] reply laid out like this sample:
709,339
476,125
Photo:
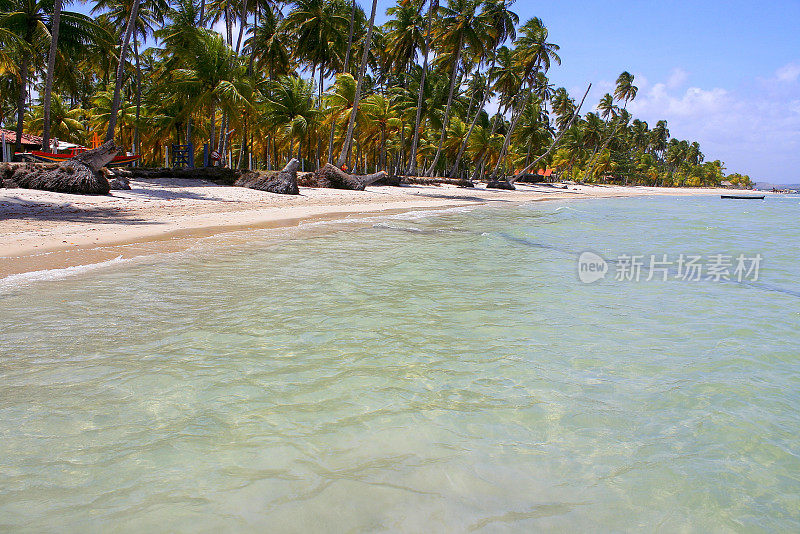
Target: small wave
14,281
412,229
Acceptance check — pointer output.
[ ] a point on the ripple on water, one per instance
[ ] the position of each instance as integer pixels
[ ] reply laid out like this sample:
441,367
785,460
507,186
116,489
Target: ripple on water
426,372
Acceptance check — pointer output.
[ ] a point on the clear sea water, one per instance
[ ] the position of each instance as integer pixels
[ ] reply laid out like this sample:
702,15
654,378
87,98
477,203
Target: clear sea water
426,372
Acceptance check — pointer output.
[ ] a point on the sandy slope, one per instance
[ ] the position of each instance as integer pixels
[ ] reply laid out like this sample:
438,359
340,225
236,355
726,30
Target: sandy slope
40,229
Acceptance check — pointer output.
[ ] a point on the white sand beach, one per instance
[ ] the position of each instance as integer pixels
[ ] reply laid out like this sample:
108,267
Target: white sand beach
42,230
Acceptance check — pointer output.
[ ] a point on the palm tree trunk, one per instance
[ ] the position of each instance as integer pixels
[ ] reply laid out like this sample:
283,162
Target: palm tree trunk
558,137
464,143
361,71
51,65
136,141
211,137
605,144
412,164
112,119
446,121
243,20
515,116
350,37
23,96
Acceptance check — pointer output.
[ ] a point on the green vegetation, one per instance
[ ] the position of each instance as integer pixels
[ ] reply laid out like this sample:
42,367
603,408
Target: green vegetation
283,80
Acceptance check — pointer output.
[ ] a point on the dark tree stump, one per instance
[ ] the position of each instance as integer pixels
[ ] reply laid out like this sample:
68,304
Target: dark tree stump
500,184
283,183
80,174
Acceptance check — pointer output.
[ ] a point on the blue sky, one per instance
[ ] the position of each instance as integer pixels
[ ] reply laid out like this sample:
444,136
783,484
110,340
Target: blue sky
724,73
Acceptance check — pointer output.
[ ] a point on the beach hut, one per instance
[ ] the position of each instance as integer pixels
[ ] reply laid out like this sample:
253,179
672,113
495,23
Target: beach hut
9,137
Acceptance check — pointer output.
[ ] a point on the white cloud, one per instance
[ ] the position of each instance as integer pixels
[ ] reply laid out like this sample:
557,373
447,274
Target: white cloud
693,102
788,73
758,135
677,78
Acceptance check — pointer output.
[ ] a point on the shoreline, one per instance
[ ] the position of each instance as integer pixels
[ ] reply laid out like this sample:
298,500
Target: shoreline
43,230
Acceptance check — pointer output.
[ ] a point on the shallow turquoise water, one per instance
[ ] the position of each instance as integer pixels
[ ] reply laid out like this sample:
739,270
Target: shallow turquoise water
423,372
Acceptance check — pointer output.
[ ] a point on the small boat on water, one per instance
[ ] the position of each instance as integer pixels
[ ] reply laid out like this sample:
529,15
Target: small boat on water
47,157
744,197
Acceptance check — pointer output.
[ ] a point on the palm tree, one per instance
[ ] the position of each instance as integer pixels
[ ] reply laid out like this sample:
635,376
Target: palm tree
290,107
27,21
405,36
65,124
432,8
338,102
348,140
112,119
268,45
51,65
103,107
625,91
461,27
150,14
318,27
533,55
380,117
501,23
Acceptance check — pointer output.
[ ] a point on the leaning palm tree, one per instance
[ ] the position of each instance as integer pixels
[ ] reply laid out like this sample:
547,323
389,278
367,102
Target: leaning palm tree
112,119
149,16
501,23
348,140
432,8
534,55
461,27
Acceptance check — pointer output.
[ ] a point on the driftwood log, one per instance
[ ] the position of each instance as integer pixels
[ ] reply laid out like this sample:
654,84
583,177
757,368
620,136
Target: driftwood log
421,180
81,174
218,175
335,178
119,183
500,184
284,182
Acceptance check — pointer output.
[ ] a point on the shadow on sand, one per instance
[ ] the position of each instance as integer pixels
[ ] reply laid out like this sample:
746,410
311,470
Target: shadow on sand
21,209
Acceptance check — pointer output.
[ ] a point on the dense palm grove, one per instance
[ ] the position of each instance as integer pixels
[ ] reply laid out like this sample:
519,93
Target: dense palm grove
459,89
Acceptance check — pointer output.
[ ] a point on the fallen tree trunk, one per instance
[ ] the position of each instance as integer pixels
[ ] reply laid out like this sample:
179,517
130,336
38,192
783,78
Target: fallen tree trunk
80,174
500,184
219,175
283,183
332,177
421,180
